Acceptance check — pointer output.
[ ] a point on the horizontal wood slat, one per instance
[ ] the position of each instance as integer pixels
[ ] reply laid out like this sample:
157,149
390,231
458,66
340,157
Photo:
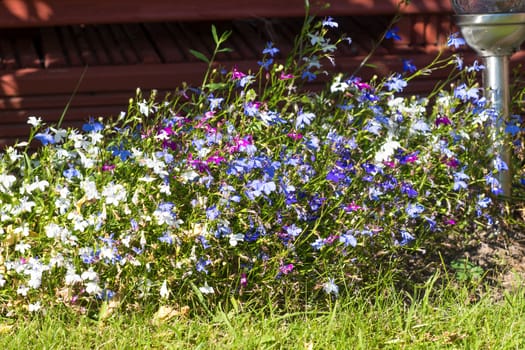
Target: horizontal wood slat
24,13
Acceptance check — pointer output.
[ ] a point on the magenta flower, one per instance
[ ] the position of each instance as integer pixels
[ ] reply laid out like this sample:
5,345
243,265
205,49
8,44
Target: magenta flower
244,280
452,162
286,269
108,167
236,74
215,159
442,120
295,136
285,76
352,207
450,221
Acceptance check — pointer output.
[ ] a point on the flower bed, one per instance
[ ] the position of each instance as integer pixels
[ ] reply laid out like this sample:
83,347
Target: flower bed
247,187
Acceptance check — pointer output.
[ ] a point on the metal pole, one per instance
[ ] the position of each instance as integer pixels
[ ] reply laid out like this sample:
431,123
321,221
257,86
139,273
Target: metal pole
496,82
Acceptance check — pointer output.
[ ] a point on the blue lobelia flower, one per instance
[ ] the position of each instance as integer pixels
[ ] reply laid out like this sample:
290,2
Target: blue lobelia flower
414,210
392,34
455,40
45,137
396,83
92,126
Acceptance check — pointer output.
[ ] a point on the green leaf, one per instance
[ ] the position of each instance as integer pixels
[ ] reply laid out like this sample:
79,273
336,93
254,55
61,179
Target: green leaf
216,86
200,56
214,33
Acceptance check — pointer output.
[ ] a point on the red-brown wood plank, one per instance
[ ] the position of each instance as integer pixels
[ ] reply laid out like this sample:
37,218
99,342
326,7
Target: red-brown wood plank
144,48
20,13
183,41
122,43
71,50
53,53
112,47
7,53
166,46
100,51
26,52
87,53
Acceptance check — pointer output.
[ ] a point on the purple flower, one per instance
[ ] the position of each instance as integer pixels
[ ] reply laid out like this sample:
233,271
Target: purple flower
244,280
92,126
201,265
212,213
348,239
407,189
476,67
318,244
414,210
166,238
270,49
71,173
455,40
500,164
409,66
329,22
459,181
495,186
396,83
392,34
309,76
45,137
406,238
286,269
442,120
335,175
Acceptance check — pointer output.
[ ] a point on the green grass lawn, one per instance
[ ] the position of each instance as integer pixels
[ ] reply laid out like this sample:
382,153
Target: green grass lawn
437,317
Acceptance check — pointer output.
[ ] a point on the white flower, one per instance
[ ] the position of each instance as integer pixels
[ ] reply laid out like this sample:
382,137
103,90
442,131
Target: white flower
236,238
79,223
331,288
6,181
93,288
387,151
36,279
22,247
165,188
60,134
90,189
89,275
34,307
206,289
34,121
337,85
164,292
37,185
26,205
143,108
72,277
107,253
22,230
189,175
22,290
2,280
114,193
